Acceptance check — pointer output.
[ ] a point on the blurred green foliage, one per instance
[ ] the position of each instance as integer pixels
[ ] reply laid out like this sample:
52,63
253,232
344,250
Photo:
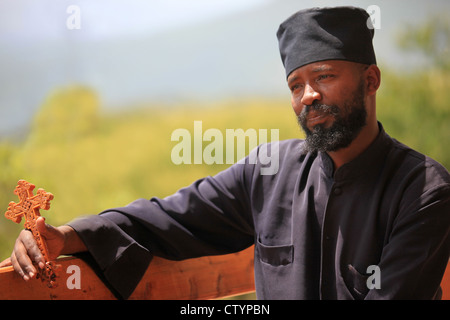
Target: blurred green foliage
92,160
414,109
431,39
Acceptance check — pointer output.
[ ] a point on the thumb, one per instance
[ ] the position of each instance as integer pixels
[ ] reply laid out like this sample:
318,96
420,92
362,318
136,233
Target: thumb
46,230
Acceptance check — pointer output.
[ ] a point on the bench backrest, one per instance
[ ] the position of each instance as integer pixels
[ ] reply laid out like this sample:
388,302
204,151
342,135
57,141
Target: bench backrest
200,278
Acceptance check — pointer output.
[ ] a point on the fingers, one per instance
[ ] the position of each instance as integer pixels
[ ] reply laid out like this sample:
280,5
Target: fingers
25,252
24,268
6,263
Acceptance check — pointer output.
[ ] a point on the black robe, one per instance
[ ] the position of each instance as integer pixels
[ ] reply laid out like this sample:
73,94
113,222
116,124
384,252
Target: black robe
376,228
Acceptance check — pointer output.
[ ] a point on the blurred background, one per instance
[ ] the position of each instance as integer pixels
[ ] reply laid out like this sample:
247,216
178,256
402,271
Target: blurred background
91,91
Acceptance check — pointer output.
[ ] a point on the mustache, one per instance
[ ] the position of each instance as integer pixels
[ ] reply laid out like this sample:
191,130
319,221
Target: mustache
317,107
321,108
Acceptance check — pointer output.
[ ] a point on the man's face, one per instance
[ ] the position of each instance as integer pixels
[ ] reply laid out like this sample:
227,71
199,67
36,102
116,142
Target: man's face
329,100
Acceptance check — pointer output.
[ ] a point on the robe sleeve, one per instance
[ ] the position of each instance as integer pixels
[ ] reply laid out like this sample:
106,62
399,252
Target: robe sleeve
413,261
210,217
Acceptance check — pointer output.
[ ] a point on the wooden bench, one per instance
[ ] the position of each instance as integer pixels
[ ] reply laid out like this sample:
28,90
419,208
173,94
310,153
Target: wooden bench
192,279
201,278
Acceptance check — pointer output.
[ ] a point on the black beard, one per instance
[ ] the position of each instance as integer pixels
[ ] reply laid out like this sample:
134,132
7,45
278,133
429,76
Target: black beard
344,129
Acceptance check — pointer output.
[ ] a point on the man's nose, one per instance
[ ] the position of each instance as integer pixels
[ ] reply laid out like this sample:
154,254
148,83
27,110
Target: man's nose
310,95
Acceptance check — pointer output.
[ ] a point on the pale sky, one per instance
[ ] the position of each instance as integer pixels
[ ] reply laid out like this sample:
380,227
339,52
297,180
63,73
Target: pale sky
32,20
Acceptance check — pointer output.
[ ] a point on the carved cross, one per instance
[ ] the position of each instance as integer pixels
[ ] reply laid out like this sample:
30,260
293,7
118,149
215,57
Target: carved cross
28,208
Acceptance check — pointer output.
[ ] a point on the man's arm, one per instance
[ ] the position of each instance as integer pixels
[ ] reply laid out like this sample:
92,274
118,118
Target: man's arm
211,216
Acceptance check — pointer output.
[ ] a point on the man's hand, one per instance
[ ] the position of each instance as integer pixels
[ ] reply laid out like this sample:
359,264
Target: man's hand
60,240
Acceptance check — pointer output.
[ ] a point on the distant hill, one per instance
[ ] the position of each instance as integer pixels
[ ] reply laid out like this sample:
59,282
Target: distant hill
234,56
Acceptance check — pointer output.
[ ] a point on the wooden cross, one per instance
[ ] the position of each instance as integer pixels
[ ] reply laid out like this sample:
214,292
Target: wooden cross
28,208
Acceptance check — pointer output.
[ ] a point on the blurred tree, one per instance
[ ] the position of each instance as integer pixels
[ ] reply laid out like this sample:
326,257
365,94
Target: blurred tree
432,39
69,113
414,105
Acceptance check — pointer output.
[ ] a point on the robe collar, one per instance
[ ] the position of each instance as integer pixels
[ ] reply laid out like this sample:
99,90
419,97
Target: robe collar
368,163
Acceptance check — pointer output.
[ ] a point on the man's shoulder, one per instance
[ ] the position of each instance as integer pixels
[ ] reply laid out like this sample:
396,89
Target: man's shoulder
293,148
276,155
289,149
420,166
291,144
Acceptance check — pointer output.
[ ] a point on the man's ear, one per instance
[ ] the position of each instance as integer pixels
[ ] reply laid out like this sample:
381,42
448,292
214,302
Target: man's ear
373,79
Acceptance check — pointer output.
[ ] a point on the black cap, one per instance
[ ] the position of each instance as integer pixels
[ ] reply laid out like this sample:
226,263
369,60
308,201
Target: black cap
317,34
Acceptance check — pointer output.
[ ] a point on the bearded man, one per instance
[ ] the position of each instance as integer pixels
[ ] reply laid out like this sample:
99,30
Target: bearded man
347,200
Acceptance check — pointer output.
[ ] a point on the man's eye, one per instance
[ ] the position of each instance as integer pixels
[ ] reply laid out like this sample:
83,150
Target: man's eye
295,87
324,76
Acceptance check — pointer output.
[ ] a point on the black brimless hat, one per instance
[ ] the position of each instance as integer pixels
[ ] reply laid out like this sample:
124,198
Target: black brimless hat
318,34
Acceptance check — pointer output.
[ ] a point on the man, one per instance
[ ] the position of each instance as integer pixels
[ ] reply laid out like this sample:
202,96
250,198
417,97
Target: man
346,200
